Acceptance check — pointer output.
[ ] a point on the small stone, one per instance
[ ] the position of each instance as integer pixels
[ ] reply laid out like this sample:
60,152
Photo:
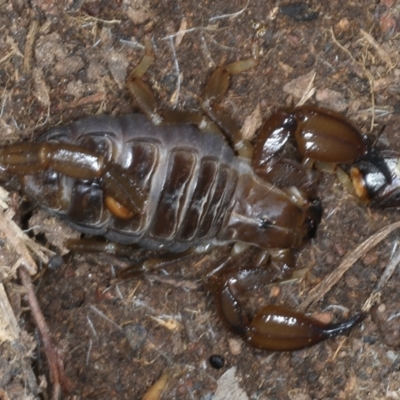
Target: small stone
274,291
235,346
217,361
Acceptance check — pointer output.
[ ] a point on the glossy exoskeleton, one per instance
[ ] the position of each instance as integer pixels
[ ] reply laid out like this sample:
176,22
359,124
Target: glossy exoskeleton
173,186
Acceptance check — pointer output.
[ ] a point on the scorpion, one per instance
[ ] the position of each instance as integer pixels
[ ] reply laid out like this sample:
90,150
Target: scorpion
172,181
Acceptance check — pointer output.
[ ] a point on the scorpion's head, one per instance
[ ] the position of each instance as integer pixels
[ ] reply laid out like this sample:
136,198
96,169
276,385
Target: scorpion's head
266,216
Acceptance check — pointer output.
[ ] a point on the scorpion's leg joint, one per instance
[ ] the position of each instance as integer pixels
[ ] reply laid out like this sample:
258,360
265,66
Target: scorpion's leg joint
123,195
71,160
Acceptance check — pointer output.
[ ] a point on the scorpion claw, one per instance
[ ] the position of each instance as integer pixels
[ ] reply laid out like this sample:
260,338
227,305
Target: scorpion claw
280,329
170,188
274,327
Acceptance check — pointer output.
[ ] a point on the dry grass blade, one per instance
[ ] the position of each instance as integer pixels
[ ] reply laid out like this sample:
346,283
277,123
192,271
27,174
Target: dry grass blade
9,329
18,240
30,40
13,235
323,288
385,57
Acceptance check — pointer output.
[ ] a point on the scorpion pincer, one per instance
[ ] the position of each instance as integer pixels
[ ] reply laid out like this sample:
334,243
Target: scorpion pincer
174,186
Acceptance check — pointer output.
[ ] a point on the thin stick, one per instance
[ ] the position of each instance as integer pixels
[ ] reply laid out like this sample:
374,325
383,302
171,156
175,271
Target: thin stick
15,240
323,288
178,75
57,376
232,15
30,40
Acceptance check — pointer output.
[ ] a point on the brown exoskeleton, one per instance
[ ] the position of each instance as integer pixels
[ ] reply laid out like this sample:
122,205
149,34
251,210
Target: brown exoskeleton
163,183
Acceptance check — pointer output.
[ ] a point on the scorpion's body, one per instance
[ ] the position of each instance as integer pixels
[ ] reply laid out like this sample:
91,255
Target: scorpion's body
175,186
191,182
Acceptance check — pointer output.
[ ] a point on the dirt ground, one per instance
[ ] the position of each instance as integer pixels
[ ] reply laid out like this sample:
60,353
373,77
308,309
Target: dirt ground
60,61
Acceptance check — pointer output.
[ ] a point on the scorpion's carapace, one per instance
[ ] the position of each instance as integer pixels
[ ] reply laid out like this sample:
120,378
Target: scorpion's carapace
173,187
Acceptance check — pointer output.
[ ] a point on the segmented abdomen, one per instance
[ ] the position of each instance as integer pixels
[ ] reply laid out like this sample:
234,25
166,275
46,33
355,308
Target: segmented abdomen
188,178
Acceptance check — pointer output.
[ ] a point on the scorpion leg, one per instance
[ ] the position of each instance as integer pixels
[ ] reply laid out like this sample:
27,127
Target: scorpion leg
215,89
153,264
142,264
99,246
319,134
123,196
147,103
273,327
325,136
32,158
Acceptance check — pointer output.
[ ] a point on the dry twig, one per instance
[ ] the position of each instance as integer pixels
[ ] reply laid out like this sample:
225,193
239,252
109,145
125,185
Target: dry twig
58,378
323,288
30,40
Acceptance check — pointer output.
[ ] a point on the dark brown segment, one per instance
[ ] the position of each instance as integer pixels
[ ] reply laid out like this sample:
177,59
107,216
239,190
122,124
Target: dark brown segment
264,215
71,160
86,203
99,143
206,178
327,136
144,160
280,329
117,184
141,168
173,196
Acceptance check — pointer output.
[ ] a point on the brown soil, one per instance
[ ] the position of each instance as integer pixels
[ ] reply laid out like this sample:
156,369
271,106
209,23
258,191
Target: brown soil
63,60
